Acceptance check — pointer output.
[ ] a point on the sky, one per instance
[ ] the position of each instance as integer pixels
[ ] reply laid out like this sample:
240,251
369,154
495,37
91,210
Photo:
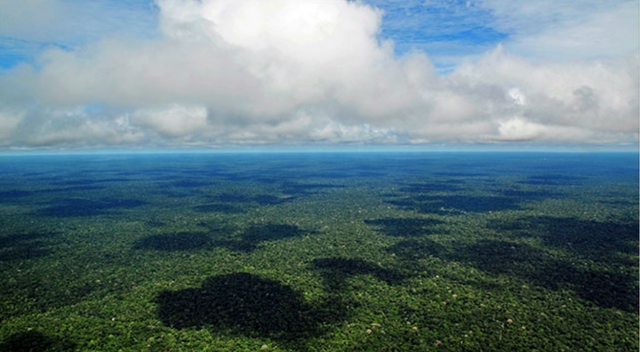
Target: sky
156,74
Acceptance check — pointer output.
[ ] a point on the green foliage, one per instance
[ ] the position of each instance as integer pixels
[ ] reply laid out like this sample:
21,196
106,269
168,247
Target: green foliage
325,253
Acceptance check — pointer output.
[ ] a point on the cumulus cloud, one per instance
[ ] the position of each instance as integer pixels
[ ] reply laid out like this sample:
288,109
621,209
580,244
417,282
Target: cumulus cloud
40,127
172,121
291,72
9,121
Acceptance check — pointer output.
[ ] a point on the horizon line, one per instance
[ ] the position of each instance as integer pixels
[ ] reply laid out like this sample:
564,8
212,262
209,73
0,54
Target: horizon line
325,150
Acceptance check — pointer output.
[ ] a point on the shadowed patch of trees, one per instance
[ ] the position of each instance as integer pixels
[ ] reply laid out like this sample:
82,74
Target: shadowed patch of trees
336,271
73,207
35,341
249,305
405,227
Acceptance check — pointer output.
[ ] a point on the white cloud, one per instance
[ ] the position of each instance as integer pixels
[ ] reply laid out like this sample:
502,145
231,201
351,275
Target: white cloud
334,132
564,30
600,95
9,121
172,121
518,128
291,72
64,128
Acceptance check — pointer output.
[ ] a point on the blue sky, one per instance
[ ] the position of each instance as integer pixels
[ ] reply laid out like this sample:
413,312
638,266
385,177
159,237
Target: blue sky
446,31
215,73
71,24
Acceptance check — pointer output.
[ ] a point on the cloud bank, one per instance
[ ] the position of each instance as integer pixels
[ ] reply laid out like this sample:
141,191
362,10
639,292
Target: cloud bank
225,73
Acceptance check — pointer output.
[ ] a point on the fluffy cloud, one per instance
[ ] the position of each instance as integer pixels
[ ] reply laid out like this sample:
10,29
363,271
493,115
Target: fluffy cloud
68,127
173,121
291,72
